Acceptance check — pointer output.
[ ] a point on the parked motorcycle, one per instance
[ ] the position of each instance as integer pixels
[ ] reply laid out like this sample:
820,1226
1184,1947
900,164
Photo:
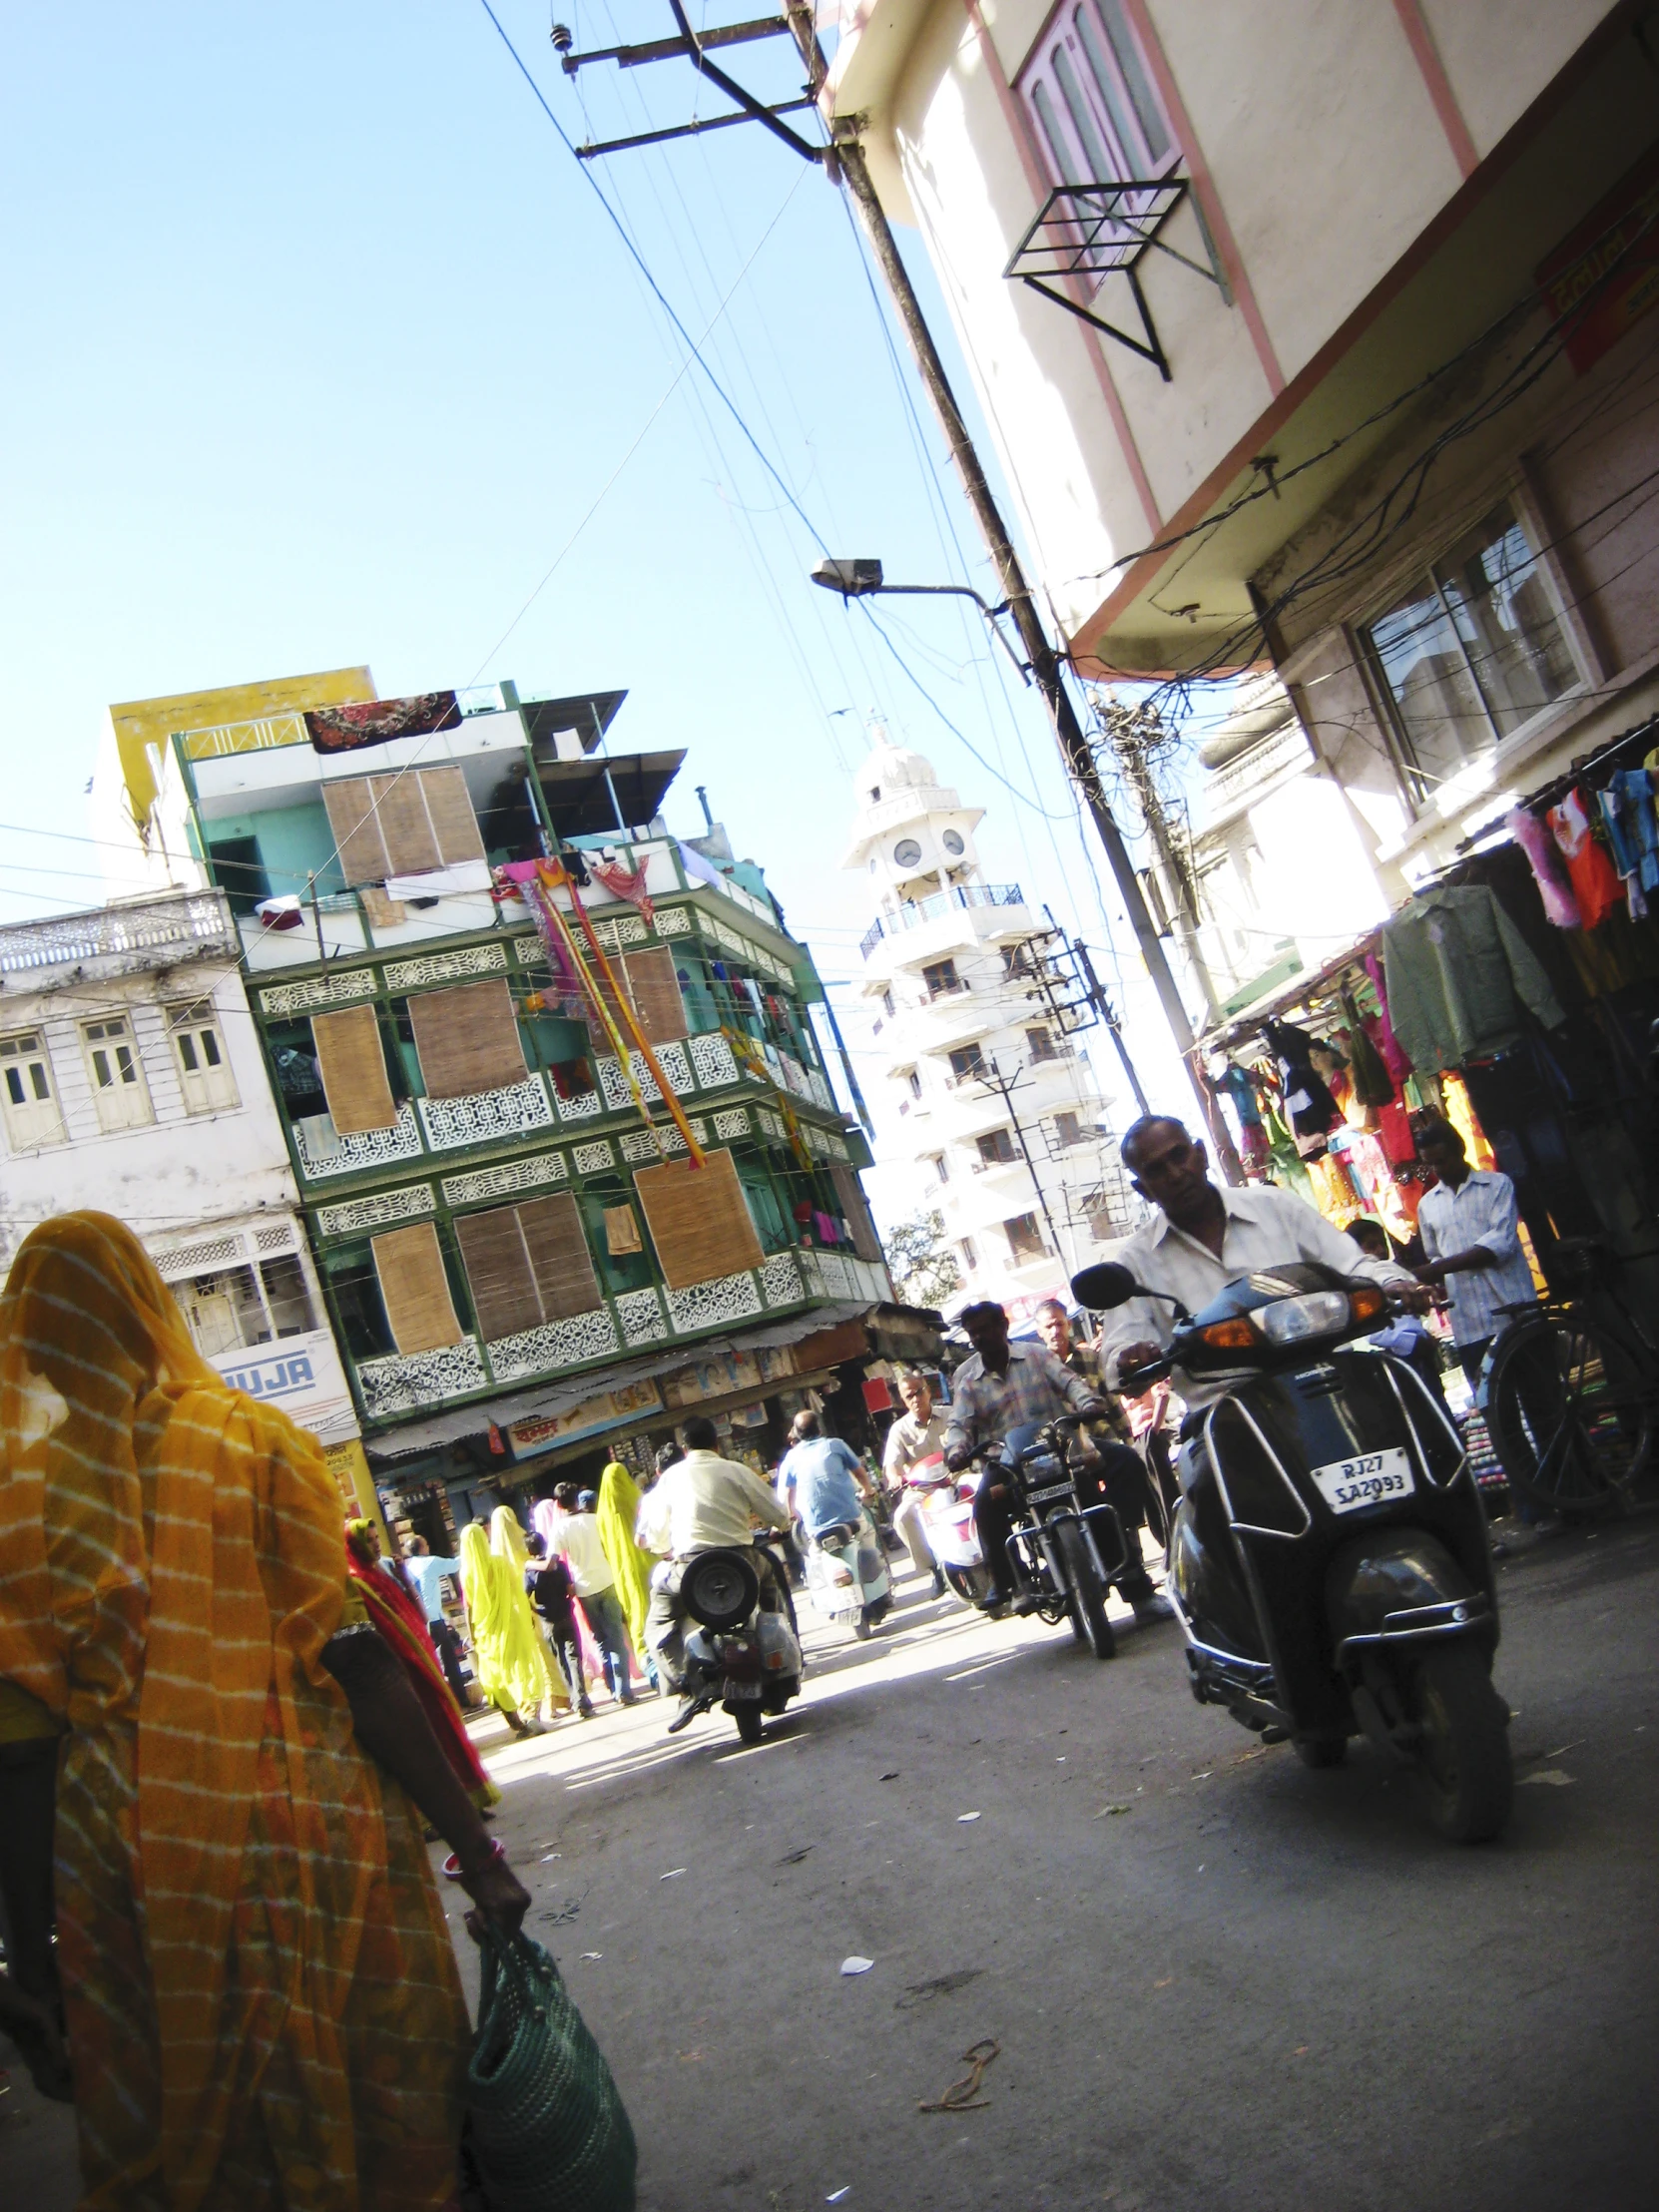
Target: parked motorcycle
1328,1560
1067,1545
947,1516
741,1655
847,1575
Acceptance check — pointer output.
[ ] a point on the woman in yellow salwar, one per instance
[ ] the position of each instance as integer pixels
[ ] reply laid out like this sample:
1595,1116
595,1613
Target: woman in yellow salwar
509,1653
263,2003
617,1514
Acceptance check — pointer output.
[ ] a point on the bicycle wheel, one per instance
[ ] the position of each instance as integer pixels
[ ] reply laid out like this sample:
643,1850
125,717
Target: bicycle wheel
1567,1415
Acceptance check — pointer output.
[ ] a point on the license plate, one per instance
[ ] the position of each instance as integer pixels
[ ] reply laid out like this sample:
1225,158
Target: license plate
1376,1478
740,1689
1048,1493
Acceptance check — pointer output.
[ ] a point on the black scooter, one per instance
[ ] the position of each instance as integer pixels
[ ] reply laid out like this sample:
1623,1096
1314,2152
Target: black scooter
1328,1558
1067,1546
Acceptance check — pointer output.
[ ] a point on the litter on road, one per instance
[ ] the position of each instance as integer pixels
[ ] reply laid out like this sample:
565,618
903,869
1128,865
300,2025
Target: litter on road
963,2096
856,1965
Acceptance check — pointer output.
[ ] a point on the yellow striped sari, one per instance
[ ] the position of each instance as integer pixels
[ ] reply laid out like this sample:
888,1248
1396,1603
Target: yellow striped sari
263,2007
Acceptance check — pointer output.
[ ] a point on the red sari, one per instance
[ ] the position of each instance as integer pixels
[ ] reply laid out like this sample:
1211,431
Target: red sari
398,1619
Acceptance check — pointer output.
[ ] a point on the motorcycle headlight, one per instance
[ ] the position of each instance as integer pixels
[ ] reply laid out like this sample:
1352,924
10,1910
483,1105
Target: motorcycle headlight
1292,1321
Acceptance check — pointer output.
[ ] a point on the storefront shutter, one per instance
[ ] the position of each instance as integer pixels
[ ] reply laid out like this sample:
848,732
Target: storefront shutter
698,1218
558,1248
403,825
467,1039
656,995
504,1293
353,1069
865,1242
415,1287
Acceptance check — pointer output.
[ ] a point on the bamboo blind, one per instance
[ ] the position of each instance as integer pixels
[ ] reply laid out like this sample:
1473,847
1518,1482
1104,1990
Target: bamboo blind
850,1191
467,1039
654,992
402,824
698,1218
353,1069
558,1248
504,1294
415,1287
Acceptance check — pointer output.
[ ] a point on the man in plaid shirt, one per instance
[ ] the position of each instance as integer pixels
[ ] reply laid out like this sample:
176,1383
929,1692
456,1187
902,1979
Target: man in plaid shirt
1002,1387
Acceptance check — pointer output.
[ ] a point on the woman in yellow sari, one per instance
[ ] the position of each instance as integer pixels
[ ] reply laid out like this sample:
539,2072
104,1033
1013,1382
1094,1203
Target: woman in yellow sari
617,1513
509,1653
263,2003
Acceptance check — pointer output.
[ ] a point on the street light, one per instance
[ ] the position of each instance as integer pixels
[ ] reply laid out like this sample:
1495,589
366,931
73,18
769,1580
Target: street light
864,579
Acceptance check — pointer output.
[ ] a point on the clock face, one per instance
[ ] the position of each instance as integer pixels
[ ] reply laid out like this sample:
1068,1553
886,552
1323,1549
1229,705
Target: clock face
952,842
908,853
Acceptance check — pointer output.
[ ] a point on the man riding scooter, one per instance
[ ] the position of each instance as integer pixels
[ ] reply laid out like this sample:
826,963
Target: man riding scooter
1002,1386
701,1503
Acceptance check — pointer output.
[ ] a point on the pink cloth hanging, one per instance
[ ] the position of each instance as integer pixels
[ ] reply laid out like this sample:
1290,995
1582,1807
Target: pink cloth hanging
623,881
1393,1052
1540,848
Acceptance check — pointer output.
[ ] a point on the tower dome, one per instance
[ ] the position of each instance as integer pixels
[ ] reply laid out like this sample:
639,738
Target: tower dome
891,769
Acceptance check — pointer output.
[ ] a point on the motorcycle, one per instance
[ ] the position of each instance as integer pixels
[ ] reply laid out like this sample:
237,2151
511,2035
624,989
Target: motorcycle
947,1516
1328,1558
1067,1545
740,1654
847,1575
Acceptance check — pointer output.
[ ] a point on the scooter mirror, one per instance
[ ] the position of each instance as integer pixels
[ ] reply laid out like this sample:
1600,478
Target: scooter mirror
1104,1286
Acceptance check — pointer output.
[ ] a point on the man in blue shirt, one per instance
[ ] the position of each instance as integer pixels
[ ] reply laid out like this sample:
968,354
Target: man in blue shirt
820,1479
425,1577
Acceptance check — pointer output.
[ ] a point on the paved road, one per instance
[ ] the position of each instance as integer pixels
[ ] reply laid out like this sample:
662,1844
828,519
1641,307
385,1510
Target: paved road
1218,1981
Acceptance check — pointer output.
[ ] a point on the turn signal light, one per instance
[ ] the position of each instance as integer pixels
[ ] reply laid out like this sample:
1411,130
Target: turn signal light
1367,1305
1230,1336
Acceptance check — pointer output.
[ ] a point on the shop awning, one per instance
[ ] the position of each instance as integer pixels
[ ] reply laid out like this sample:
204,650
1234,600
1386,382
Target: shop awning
892,1332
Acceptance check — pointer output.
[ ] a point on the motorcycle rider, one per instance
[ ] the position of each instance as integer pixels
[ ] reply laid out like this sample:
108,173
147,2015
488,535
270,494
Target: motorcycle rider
917,1433
1201,1237
821,1479
1120,1473
999,1388
701,1503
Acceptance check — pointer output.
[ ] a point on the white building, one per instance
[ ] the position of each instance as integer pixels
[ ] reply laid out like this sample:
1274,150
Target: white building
132,1083
995,1111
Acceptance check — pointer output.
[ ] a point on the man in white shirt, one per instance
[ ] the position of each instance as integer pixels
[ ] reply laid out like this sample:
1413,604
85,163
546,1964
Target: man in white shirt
1203,1237
917,1434
575,1540
703,1503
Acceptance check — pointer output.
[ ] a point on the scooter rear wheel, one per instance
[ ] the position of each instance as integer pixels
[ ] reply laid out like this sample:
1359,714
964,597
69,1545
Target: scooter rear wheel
1464,1748
1087,1599
749,1722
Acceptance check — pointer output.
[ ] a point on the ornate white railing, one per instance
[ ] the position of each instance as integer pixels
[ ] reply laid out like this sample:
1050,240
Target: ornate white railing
187,922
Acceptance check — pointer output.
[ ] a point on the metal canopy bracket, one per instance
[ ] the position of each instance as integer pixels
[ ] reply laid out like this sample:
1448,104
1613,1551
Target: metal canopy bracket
1083,233
693,46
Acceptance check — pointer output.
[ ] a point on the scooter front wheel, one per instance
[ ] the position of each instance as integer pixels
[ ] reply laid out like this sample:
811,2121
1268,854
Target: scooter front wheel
1464,1744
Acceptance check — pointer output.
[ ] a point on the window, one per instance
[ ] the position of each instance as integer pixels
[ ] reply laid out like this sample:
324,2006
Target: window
1068,1129
967,1061
1097,113
118,1087
288,1296
412,823
1039,1045
942,1167
970,1255
914,1081
1471,652
222,1312
26,1094
888,1004
203,1070
1025,1238
996,1148
941,978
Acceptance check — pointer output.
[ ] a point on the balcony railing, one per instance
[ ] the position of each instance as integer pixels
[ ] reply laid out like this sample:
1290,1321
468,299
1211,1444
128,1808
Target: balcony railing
196,921
941,902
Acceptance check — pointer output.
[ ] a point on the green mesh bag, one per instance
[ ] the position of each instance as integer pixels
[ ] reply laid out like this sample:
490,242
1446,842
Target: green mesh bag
548,2127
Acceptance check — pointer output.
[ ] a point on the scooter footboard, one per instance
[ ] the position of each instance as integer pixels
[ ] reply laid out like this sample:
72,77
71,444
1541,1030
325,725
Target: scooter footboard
1402,1586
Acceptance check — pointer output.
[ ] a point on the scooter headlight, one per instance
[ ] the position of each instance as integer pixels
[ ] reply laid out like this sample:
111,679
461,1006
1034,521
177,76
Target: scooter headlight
1292,1321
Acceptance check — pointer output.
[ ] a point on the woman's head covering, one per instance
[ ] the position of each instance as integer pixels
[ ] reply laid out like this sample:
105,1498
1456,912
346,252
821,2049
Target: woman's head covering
507,1538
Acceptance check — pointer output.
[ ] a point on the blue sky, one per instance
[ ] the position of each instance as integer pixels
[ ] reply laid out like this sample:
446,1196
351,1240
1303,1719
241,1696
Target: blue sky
322,350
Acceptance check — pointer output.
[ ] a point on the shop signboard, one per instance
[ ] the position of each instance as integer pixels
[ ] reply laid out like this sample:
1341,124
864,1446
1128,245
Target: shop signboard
1606,277
727,1372
603,1410
301,1375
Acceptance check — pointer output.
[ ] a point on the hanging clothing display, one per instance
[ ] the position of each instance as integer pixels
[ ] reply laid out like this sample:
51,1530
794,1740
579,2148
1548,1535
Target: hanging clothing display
1460,977
1372,1084
1241,1089
1537,842
1627,812
1308,1104
1394,1059
623,881
1595,880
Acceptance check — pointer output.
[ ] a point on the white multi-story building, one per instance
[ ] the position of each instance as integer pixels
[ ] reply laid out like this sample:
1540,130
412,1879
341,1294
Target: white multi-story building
132,1083
991,1107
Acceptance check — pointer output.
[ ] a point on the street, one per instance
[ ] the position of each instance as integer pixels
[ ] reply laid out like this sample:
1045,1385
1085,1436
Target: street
1215,1979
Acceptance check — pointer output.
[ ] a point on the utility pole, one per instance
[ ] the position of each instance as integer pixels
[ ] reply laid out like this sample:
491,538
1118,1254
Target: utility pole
1127,730
991,1078
845,158
1103,1007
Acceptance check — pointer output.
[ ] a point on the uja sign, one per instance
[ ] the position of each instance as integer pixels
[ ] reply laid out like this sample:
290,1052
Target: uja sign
302,1376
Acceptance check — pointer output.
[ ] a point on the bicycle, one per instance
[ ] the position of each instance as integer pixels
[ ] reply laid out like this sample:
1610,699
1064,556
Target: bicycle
1570,1392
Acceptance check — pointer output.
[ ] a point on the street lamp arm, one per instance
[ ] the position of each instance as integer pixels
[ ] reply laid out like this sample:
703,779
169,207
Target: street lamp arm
862,579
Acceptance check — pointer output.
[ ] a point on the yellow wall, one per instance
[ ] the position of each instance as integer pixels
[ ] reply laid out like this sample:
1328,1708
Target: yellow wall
141,722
